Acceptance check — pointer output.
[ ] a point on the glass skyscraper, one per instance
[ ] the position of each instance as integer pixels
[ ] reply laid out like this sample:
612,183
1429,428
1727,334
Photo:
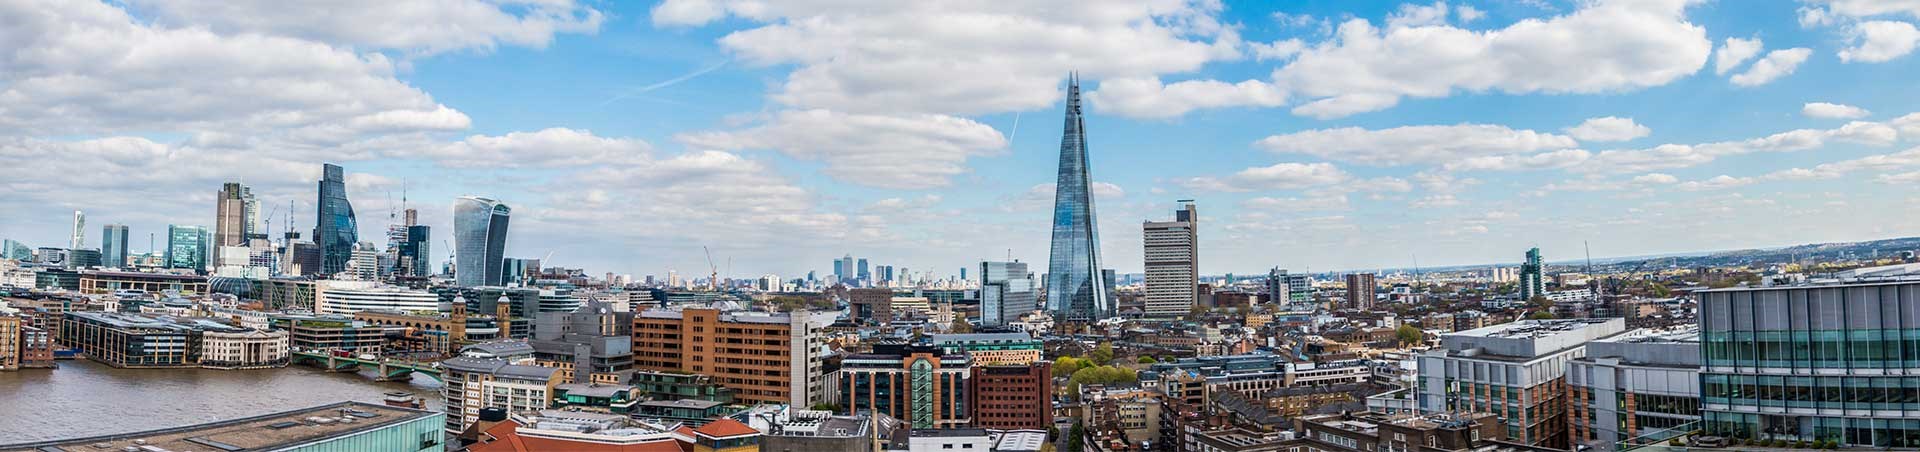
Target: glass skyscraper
113,246
415,255
1006,292
336,232
1532,282
479,240
187,247
1075,290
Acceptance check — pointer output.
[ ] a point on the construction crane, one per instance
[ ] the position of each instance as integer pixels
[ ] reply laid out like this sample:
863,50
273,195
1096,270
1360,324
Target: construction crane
713,276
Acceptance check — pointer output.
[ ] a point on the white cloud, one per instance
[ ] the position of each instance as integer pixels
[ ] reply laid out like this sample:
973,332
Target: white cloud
1776,64
958,57
907,151
1909,158
1869,8
1147,98
1411,15
1322,202
1408,145
424,28
1656,179
1606,46
1435,201
1546,160
1880,41
1281,176
1720,182
1610,128
1733,52
1825,110
1277,50
698,197
1672,155
1467,13
554,147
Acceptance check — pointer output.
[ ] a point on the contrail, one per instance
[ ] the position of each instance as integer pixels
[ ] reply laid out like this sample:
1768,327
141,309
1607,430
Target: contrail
1016,128
667,82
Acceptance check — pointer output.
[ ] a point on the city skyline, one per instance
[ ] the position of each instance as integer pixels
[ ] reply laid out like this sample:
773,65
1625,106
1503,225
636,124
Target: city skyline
679,127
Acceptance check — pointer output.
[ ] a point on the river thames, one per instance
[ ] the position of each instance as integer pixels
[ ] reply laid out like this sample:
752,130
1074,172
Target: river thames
85,398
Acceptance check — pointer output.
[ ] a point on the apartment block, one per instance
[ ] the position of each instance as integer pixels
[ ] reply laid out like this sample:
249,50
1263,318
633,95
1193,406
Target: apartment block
763,358
1515,370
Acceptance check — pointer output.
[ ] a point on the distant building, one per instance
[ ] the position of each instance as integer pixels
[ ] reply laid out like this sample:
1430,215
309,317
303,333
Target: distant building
1076,291
187,247
1006,292
335,232
1532,282
1172,263
871,306
416,256
1360,291
348,297
233,221
113,246
992,348
480,240
1283,288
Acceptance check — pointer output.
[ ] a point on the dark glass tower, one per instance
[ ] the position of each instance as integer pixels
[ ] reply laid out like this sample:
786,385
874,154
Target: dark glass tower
1075,290
414,253
336,232
1532,281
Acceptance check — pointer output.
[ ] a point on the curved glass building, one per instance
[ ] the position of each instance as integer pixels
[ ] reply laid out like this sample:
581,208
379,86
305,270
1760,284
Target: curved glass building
335,233
479,240
1075,290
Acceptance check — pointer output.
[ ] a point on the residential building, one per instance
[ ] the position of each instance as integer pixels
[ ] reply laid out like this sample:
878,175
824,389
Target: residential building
1132,411
1644,383
473,384
11,347
36,346
479,240
187,248
1828,360
335,231
1076,291
1532,282
113,246
1006,292
1284,288
1172,263
1515,370
922,385
764,358
1360,291
870,306
1011,396
344,426
992,348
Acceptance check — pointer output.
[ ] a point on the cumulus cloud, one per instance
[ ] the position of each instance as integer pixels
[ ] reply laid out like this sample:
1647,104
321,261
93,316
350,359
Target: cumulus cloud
1409,145
1671,155
1610,128
1546,160
444,25
1825,110
1909,158
1720,182
1776,64
553,147
1281,176
1733,52
1148,98
908,152
1656,179
903,57
1320,202
1880,41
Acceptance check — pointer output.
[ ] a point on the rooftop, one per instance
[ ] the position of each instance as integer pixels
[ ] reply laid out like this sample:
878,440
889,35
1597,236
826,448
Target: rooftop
1530,329
268,432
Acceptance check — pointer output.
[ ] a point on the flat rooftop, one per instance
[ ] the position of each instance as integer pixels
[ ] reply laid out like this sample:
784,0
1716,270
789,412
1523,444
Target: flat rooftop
1530,329
266,432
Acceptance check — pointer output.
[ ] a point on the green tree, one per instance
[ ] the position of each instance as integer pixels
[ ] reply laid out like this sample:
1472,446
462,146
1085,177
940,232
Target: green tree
1196,312
1147,360
1067,365
961,326
1103,354
1100,375
1075,443
1541,315
1541,302
1409,334
1661,290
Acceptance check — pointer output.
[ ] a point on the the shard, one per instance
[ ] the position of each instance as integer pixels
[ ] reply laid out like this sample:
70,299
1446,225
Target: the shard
1075,290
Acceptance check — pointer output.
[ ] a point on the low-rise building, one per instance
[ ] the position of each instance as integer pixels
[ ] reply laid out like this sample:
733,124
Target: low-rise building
557,430
921,385
125,340
992,348
1515,370
242,348
334,427
473,384
332,332
1011,397
1641,383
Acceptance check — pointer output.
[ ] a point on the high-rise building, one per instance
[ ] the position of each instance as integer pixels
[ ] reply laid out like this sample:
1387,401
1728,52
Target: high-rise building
479,240
1172,257
1006,292
10,249
79,231
863,275
1076,290
337,232
1360,289
365,265
764,358
1532,284
1827,361
187,247
415,253
1283,287
1514,369
113,246
233,220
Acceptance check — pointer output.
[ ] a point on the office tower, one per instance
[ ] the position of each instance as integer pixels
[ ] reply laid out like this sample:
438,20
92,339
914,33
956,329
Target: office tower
1172,257
231,222
1830,361
1516,369
10,249
1006,292
113,246
479,240
782,353
1638,383
514,271
187,247
1283,287
79,233
1360,291
415,252
923,386
1075,289
337,232
1531,282
365,265
862,273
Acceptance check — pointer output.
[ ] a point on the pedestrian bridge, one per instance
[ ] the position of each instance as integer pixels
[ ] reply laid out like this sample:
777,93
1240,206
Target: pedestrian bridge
389,369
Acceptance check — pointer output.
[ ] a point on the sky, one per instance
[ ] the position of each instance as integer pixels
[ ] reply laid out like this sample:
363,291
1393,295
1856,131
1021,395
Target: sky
1314,135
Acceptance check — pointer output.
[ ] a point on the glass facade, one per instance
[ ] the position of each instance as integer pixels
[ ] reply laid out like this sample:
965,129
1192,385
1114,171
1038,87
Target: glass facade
1828,362
1075,290
479,241
113,246
1006,292
415,255
187,247
336,233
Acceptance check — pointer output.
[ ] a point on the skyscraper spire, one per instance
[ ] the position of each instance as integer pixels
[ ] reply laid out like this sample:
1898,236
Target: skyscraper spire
1075,289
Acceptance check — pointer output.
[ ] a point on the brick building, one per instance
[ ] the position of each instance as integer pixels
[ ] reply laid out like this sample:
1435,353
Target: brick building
1010,397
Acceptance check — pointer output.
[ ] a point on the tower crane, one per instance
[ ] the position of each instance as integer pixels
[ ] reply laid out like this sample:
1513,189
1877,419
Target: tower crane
713,272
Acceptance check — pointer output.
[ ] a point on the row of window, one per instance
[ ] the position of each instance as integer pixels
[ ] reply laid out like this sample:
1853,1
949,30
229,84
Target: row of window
1896,433
1831,392
1870,349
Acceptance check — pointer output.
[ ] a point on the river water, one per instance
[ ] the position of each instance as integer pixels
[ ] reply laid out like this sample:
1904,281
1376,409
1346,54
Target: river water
85,398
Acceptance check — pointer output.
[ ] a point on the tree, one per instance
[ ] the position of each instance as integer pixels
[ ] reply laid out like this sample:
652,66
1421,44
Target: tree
1067,365
1542,302
1196,312
1409,335
1661,290
960,326
1075,442
1101,375
1103,354
1147,360
1541,315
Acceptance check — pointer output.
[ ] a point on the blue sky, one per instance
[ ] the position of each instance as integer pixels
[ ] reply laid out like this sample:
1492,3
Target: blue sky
1315,135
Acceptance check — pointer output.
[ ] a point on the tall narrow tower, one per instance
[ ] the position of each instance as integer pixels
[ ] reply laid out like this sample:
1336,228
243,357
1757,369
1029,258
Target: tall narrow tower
336,232
479,240
1075,290
79,231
